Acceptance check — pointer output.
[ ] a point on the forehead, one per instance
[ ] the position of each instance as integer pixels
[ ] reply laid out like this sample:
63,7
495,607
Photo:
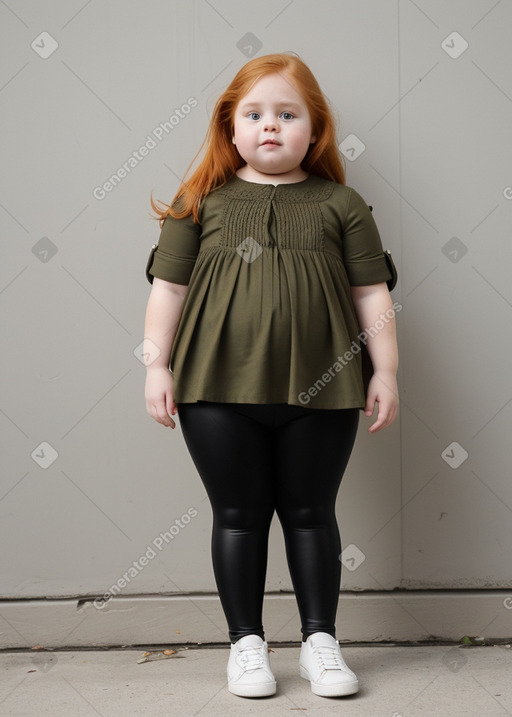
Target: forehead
275,87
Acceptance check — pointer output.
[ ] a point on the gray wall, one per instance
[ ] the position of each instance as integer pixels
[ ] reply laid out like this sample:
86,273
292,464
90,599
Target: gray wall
89,481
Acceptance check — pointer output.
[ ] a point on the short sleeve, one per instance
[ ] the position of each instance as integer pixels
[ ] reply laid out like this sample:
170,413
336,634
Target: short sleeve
363,255
178,247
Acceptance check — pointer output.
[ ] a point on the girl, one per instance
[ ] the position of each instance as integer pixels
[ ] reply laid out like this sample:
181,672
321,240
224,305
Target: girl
267,269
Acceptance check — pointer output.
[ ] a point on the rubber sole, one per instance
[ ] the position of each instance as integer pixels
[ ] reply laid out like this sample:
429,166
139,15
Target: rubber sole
260,690
337,690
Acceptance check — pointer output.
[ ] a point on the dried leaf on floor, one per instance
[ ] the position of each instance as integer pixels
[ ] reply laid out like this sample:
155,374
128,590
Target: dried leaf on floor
153,655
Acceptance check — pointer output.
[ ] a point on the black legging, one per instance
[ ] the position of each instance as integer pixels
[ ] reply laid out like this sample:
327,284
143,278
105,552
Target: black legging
257,458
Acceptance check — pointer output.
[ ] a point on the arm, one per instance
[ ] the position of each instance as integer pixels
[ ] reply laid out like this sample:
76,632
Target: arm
371,303
163,313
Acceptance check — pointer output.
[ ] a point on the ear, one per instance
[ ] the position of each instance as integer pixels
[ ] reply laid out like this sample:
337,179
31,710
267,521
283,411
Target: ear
313,139
233,140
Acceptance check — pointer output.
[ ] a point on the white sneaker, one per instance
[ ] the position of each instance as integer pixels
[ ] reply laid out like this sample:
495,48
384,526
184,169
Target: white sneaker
321,662
249,673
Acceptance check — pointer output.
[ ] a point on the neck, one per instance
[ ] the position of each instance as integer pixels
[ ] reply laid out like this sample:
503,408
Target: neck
252,175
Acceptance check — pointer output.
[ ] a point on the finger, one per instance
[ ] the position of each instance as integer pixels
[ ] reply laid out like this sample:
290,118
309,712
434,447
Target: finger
165,419
171,409
160,415
381,421
385,418
370,405
154,415
170,404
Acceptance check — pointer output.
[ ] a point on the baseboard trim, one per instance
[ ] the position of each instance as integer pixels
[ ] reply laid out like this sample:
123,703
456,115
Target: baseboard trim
397,616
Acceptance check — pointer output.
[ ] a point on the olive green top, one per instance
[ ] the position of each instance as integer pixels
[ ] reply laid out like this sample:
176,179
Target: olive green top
268,316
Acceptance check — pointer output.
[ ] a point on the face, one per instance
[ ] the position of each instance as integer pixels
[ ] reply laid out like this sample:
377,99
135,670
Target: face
272,127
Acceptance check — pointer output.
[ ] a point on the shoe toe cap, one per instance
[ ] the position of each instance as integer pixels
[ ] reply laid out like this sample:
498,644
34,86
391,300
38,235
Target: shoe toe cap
337,677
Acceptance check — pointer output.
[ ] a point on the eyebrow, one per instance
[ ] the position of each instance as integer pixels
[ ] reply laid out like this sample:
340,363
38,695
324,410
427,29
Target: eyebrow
281,103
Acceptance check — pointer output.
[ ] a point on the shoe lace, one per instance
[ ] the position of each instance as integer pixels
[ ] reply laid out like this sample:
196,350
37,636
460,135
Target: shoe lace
329,657
251,657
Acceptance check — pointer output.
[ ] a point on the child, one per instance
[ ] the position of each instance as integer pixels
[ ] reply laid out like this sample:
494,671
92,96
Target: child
268,267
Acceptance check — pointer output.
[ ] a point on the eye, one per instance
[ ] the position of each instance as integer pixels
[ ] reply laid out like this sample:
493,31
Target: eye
251,115
287,115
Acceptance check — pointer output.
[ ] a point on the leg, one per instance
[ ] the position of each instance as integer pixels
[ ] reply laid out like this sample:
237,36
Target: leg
311,454
232,453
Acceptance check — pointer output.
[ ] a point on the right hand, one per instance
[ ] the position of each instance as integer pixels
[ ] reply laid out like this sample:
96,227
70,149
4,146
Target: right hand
159,394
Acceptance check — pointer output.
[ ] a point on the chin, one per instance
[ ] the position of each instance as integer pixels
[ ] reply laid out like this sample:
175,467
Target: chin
272,168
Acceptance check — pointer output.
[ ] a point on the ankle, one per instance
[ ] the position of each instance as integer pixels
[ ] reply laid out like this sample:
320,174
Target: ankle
234,640
308,634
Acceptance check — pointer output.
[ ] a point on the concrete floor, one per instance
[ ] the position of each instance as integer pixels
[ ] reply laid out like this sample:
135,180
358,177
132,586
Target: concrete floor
395,681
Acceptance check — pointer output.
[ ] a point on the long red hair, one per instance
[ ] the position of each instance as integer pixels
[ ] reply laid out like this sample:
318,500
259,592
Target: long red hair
221,159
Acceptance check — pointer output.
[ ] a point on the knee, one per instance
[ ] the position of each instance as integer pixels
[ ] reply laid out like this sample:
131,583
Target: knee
244,519
306,517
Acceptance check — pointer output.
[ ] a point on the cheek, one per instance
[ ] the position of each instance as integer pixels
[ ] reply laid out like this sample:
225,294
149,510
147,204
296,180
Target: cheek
301,140
243,134
242,142
244,145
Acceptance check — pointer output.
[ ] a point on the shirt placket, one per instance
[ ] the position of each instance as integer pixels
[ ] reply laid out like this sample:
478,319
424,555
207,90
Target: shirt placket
273,249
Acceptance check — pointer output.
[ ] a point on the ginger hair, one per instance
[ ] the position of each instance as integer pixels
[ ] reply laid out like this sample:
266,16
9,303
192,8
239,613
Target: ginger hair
221,158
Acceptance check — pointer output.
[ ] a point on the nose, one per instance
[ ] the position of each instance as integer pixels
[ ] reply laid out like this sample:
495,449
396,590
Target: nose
271,124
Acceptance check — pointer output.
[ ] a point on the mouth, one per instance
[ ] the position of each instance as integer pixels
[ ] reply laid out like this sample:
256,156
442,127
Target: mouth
270,141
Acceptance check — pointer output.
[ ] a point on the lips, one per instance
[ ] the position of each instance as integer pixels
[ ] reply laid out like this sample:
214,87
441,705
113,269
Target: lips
270,141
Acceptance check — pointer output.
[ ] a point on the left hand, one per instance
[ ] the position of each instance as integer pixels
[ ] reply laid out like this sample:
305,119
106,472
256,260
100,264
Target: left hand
383,390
